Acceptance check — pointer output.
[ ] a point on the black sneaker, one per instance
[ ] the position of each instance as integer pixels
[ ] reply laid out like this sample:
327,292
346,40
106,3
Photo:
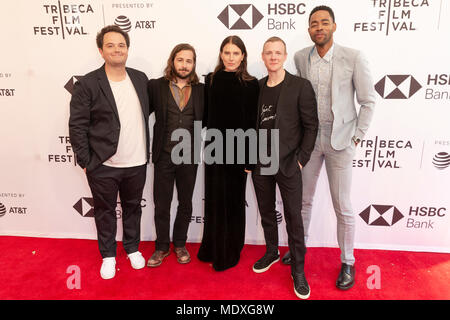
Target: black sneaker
263,264
301,287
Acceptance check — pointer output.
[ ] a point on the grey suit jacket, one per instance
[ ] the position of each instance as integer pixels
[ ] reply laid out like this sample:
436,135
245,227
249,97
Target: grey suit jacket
350,75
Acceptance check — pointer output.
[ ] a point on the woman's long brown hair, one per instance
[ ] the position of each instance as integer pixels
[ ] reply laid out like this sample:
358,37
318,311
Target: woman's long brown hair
241,72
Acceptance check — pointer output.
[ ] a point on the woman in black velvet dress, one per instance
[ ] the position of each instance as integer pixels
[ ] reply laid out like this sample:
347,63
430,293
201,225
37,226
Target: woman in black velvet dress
231,98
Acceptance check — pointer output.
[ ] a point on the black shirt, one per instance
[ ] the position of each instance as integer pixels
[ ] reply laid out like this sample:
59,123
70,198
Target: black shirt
268,112
269,99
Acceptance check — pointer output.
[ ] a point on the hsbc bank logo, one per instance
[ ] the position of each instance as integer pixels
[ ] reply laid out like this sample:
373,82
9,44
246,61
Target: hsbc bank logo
397,86
381,215
85,207
240,16
69,85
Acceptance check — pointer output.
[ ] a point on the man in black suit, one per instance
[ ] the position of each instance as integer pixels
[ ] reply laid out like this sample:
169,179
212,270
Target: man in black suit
108,130
177,100
286,103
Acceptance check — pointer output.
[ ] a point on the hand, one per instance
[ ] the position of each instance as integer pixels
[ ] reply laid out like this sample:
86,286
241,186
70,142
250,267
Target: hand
248,171
300,165
84,170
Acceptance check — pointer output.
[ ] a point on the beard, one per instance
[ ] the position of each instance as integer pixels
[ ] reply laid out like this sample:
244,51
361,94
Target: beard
323,42
181,76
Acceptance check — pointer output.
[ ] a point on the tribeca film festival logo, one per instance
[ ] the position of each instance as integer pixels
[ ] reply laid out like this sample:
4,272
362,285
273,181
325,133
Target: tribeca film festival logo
280,16
393,16
381,154
65,20
419,217
68,157
405,86
85,207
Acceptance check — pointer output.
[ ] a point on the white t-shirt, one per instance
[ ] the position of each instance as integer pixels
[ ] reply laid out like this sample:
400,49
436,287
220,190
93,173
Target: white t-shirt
131,149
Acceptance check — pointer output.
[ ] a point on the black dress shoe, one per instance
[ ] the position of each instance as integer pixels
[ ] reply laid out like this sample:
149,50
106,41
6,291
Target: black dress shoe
286,258
346,278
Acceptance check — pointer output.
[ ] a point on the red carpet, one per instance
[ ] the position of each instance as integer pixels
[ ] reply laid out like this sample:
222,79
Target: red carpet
36,268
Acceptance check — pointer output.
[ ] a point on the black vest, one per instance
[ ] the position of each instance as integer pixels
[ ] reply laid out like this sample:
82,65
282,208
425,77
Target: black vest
178,119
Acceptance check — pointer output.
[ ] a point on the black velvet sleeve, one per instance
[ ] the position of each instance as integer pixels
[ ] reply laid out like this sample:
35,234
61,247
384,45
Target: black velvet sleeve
251,112
206,100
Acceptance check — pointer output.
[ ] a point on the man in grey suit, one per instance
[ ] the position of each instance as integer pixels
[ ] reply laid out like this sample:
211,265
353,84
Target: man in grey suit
336,73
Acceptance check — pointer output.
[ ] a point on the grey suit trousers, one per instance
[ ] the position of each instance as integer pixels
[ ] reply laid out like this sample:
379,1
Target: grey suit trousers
338,164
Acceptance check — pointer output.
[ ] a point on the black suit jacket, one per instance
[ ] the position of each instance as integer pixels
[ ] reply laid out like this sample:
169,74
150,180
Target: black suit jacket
94,125
296,120
158,90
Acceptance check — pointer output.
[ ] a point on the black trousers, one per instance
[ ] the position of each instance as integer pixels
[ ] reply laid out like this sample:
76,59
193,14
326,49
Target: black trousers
291,194
106,183
166,174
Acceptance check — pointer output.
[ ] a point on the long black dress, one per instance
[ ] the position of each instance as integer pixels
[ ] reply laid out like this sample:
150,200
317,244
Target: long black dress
229,104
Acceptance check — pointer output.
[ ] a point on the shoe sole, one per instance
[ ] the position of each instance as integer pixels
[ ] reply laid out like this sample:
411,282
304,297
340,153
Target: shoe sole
107,278
157,265
184,262
300,295
266,268
138,267
181,261
346,287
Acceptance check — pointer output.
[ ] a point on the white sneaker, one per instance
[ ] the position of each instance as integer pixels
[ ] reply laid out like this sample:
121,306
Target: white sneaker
108,269
137,260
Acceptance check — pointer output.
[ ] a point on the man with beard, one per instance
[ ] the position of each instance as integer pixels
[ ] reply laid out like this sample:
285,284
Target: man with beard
337,74
177,100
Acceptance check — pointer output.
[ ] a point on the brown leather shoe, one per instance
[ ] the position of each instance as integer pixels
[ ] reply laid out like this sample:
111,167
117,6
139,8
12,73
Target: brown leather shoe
182,255
157,258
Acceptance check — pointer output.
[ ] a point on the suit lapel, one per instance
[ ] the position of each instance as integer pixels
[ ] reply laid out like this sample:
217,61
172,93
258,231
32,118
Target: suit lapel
164,89
335,77
106,88
137,87
262,83
195,95
307,64
281,97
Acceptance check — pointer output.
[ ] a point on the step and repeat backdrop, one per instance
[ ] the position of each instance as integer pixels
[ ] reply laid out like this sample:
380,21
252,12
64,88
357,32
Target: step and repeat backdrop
401,174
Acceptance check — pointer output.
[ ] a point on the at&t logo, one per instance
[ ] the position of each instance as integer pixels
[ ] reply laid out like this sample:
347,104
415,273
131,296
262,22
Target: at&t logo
124,23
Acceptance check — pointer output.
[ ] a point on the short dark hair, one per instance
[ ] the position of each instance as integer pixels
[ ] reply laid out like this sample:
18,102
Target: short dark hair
111,28
319,8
